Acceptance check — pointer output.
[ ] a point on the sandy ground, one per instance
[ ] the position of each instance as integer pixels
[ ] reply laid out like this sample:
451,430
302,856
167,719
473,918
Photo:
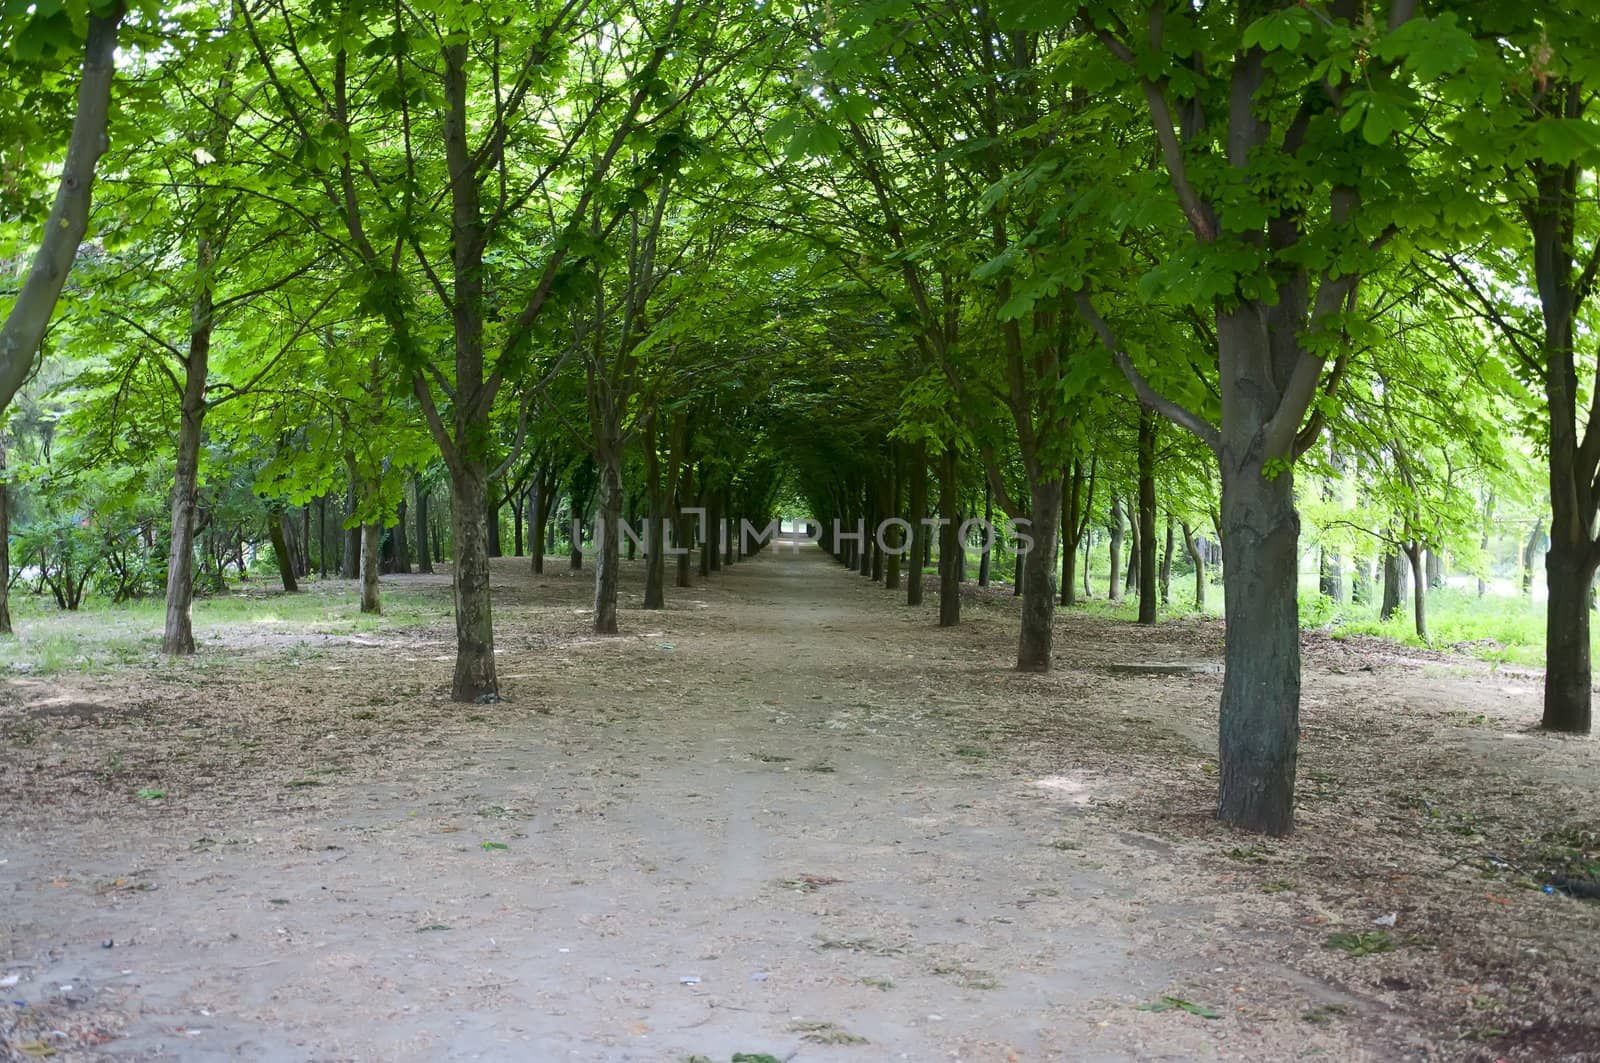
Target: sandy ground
788,816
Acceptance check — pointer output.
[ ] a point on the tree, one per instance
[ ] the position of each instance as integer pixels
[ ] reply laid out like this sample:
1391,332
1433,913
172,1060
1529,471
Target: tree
1279,134
43,28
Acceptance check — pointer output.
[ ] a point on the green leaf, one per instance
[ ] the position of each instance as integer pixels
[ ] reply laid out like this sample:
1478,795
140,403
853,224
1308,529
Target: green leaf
1171,1003
1280,30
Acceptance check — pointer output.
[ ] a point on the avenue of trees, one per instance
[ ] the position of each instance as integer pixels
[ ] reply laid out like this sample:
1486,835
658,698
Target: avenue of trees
355,286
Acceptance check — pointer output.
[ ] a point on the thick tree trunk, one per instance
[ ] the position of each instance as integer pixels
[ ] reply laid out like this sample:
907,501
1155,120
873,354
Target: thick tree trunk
371,545
1393,576
952,560
1434,566
606,534
1147,516
1260,719
919,530
1419,588
402,549
1036,639
424,555
493,525
178,636
278,532
1568,679
539,508
475,678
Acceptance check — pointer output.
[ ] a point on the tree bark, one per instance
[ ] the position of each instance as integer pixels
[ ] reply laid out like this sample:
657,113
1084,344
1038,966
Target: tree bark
29,316
371,545
1260,719
1036,640
1166,564
1419,588
424,555
278,531
177,638
988,541
1198,559
1147,516
474,678
1393,576
492,510
606,534
1530,551
1568,679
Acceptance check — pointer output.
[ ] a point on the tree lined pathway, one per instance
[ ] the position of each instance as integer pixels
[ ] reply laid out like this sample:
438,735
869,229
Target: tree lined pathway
785,815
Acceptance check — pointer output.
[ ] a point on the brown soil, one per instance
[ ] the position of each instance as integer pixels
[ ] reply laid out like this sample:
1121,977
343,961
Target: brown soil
786,815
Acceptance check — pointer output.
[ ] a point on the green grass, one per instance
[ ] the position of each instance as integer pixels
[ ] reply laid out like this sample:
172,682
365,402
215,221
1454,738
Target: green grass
99,636
1498,628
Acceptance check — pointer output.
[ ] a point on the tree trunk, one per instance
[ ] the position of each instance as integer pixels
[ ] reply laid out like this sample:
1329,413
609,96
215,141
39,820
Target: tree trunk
278,532
324,567
1072,532
988,540
919,530
606,534
1530,552
424,555
178,636
1434,566
475,679
1166,564
1260,719
575,532
1393,576
1130,584
1419,588
1036,640
657,522
1114,526
1147,516
1568,679
371,546
29,315
402,549
1198,559
951,558
493,518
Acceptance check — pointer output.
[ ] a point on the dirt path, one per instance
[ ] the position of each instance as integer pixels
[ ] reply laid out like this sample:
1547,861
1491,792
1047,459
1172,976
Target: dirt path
787,817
